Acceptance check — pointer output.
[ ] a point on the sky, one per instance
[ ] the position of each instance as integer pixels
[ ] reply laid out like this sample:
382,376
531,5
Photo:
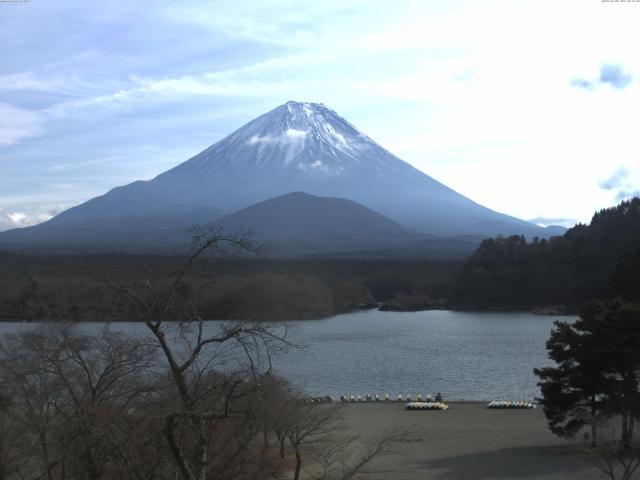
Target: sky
527,107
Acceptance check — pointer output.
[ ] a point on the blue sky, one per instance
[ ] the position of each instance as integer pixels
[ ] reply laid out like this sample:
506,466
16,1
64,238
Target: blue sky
528,107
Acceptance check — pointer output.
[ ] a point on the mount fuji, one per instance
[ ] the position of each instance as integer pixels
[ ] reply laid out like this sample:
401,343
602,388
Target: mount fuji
297,147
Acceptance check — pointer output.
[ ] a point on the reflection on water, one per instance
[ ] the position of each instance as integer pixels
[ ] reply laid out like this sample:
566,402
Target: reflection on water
463,355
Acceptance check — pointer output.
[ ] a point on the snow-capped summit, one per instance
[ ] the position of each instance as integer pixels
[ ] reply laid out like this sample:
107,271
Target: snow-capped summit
297,135
302,147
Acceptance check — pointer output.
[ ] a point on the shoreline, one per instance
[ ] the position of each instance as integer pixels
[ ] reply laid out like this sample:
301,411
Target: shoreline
379,308
466,441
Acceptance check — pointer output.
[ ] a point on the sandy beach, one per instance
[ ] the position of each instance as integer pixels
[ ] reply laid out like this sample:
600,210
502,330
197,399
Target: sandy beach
468,441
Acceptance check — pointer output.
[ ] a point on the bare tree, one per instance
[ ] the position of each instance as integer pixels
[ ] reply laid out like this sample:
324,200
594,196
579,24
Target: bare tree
210,369
8,436
70,393
344,457
616,458
309,424
278,400
314,434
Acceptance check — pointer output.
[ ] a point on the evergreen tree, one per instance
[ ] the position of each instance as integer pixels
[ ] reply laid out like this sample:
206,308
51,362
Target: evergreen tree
569,270
597,372
625,278
615,327
572,392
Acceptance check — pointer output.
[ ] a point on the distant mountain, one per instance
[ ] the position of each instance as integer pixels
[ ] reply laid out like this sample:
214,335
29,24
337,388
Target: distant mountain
132,233
302,224
306,223
294,224
555,230
304,147
299,214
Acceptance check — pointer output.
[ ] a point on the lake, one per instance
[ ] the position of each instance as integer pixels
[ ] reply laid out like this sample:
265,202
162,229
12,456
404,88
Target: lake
463,355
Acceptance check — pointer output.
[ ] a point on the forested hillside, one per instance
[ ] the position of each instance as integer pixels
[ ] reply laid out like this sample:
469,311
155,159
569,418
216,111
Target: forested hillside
33,287
563,271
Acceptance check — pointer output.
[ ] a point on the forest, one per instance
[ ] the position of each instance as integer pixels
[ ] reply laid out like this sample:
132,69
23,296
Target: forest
558,275
562,273
83,287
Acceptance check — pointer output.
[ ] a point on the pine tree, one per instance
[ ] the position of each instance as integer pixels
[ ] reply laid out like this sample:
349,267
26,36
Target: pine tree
598,370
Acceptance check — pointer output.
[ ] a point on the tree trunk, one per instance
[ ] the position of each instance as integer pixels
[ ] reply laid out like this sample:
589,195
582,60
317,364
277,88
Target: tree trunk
202,446
282,440
594,426
2,470
296,475
90,467
626,432
178,456
42,435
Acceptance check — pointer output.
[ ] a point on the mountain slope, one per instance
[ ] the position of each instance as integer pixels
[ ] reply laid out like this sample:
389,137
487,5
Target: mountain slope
299,222
300,214
303,147
123,233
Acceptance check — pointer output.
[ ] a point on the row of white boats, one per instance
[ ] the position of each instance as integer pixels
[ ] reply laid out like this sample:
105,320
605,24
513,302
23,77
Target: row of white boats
492,404
427,406
387,398
510,404
418,402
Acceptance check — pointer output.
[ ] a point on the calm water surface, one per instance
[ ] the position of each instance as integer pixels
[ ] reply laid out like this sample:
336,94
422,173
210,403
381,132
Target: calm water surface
463,355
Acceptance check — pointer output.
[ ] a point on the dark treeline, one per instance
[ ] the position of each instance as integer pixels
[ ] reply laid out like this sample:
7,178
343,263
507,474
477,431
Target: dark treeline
565,271
76,287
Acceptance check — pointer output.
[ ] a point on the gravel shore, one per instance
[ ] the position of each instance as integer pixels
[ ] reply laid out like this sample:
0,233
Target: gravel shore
467,441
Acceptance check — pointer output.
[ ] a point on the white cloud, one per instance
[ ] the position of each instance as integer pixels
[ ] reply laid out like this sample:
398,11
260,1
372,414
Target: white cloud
17,217
546,222
295,135
267,139
613,75
43,83
17,124
277,22
290,136
254,80
319,165
31,215
617,179
624,182
13,219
